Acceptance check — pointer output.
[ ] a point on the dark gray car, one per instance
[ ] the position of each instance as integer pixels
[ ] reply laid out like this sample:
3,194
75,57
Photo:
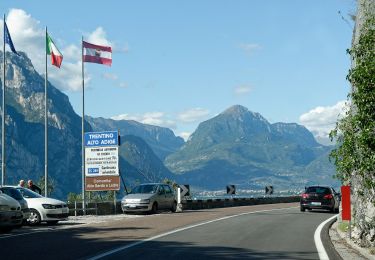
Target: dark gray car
320,197
150,197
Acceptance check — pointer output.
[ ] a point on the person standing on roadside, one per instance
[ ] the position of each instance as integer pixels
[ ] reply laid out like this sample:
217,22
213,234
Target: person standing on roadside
33,187
21,183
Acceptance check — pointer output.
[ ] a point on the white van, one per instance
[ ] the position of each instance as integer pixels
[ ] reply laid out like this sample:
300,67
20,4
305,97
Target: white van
11,215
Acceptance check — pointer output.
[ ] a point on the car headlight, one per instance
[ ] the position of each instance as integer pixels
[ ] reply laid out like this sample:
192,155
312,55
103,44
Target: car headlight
49,206
145,201
4,208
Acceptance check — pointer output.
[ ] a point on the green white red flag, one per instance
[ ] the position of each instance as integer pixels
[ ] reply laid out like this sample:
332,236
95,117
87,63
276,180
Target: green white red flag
56,56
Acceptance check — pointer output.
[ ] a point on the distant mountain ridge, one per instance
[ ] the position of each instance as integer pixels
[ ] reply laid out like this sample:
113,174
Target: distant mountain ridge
235,147
162,140
241,146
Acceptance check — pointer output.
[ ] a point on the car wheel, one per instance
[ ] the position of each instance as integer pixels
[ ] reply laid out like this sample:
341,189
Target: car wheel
34,218
52,222
174,206
154,208
302,209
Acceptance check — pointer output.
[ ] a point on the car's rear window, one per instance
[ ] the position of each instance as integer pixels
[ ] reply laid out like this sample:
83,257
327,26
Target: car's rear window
144,189
319,190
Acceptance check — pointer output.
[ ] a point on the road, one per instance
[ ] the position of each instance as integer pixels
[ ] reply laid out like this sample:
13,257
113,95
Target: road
277,231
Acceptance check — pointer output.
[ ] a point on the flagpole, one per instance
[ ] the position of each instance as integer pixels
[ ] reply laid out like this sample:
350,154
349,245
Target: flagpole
46,127
3,116
83,133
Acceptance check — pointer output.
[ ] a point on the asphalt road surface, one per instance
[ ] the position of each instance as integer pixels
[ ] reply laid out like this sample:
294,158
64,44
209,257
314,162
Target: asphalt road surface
277,231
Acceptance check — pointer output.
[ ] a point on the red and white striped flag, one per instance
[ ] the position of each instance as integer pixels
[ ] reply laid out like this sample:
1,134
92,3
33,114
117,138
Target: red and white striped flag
97,54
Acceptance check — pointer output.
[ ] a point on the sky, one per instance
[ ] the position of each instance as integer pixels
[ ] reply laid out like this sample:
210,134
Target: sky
178,63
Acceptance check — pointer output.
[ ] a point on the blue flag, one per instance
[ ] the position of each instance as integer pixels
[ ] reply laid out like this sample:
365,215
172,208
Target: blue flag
7,38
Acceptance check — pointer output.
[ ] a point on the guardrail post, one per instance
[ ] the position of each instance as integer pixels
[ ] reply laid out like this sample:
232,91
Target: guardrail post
179,205
114,200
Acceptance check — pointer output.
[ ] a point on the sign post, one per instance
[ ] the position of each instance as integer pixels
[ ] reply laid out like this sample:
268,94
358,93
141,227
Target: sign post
101,161
346,206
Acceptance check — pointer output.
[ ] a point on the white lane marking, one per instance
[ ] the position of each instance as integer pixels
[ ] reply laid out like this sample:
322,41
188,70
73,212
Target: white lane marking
113,251
318,242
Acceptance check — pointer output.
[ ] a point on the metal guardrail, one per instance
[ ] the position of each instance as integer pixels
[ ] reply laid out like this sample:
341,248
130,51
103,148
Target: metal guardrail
94,208
109,207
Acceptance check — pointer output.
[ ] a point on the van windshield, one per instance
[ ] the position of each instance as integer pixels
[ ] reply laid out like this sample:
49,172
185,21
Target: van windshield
147,188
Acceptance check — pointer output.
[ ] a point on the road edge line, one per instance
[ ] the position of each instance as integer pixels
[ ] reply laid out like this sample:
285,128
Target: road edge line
121,248
318,241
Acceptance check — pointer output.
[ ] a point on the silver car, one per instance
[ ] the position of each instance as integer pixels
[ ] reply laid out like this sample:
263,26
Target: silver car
16,194
149,197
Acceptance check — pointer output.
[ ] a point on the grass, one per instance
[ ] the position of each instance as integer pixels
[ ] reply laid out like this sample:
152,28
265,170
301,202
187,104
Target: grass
343,226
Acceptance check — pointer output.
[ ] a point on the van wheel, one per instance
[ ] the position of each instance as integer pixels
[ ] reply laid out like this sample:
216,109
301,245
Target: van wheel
154,209
34,218
174,206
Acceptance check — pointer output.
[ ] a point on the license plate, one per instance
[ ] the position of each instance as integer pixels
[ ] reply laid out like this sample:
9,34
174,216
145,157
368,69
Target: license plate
316,203
132,206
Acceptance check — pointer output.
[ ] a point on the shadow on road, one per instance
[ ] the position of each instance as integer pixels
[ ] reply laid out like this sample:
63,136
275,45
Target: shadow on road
174,250
82,243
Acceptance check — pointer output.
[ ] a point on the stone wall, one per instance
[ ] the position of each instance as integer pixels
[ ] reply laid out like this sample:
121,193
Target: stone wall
363,200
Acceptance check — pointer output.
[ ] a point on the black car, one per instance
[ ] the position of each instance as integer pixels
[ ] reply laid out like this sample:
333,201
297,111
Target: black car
320,197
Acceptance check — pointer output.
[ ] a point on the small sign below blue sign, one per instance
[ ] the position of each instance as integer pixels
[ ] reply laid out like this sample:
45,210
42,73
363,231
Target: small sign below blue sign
93,170
108,138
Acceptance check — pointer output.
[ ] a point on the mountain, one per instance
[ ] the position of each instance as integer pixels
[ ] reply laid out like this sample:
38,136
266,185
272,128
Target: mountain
138,162
161,140
25,129
235,147
25,135
241,147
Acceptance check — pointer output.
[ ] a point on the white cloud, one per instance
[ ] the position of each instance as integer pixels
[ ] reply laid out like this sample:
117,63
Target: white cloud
150,118
28,35
249,48
71,52
185,135
99,37
193,115
321,120
242,90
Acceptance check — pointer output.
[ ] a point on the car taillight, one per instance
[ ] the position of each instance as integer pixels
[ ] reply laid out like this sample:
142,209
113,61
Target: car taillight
305,195
328,196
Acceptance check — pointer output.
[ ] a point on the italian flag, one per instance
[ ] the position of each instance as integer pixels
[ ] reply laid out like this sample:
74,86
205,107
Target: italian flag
56,56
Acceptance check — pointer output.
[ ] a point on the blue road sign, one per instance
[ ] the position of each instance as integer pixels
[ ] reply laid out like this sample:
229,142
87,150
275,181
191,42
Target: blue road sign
107,138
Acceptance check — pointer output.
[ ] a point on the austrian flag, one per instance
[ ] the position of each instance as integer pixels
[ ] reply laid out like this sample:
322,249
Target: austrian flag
97,54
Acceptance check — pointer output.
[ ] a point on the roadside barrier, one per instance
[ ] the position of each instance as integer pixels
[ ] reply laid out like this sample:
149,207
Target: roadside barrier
109,208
